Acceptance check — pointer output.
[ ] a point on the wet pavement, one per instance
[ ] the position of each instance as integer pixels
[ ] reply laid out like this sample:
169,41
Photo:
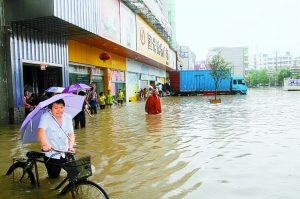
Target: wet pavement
245,147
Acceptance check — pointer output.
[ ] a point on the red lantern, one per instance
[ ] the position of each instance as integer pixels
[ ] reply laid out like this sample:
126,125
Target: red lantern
104,56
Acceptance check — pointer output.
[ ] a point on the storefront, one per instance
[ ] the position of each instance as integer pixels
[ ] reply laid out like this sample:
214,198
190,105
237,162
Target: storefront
86,74
132,86
36,45
161,80
117,81
37,61
141,76
105,75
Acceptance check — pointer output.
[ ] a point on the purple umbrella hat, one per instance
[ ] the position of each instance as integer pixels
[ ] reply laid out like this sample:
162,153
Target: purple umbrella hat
55,89
75,87
28,130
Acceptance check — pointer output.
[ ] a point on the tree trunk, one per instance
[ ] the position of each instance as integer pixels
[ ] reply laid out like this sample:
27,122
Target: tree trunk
216,94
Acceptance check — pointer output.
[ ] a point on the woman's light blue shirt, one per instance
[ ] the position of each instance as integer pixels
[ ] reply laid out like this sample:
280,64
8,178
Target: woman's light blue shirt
56,136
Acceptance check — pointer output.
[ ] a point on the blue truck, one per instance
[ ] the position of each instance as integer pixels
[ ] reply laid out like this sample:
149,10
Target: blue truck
200,82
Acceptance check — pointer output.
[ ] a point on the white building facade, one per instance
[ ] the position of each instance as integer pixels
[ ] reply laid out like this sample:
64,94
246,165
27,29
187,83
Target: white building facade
274,61
296,62
238,56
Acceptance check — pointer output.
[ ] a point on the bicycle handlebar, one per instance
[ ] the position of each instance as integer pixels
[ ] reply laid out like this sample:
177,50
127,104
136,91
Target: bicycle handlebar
69,154
60,151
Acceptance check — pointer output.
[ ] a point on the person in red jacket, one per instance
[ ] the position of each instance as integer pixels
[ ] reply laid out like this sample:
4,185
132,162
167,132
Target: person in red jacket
153,105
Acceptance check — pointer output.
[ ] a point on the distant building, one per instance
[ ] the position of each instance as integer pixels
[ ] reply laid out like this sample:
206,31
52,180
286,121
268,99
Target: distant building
238,56
296,61
169,7
260,61
188,58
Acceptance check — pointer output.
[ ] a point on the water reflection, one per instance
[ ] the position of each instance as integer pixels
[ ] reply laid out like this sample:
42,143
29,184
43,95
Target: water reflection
153,123
245,147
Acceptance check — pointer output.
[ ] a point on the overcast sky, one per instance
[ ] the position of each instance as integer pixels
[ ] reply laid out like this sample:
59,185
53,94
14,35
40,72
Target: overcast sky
262,25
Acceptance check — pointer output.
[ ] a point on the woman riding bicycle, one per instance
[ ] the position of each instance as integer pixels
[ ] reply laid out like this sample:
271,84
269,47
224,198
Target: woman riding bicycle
55,131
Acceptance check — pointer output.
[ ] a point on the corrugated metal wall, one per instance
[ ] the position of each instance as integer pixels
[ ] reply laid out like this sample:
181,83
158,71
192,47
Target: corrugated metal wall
27,44
82,13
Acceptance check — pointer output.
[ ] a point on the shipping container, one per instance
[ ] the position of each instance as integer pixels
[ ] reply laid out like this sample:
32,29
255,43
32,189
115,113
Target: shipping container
191,82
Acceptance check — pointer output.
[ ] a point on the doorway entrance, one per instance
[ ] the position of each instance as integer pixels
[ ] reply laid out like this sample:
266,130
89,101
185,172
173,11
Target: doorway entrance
34,78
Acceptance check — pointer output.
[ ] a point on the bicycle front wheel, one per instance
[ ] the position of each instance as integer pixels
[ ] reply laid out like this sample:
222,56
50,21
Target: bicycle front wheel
84,189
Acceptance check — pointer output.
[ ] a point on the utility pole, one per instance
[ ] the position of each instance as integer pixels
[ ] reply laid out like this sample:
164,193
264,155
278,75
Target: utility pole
276,67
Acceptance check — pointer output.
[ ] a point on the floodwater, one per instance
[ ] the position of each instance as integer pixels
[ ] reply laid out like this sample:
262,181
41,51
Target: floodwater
245,147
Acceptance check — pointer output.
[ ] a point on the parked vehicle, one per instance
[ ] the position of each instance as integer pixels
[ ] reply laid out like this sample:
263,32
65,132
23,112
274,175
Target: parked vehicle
200,82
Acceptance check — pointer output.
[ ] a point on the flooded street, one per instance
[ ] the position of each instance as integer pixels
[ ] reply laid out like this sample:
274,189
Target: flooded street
245,147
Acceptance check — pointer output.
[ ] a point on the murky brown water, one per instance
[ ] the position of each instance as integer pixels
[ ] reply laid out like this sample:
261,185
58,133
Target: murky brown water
246,147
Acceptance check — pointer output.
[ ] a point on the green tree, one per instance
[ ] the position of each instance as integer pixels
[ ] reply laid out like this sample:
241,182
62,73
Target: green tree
298,75
249,79
262,77
283,73
220,69
256,77
253,77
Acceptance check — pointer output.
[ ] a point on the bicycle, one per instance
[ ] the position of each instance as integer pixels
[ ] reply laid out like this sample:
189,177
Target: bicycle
77,173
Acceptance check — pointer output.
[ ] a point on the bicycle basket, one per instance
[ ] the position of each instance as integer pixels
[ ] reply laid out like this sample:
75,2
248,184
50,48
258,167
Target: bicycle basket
78,169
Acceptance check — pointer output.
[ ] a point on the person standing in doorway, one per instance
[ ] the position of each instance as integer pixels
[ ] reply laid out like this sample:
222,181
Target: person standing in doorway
26,103
42,97
153,105
31,100
120,97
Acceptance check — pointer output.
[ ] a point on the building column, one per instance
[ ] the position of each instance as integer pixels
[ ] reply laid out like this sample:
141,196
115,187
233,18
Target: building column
106,79
4,116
